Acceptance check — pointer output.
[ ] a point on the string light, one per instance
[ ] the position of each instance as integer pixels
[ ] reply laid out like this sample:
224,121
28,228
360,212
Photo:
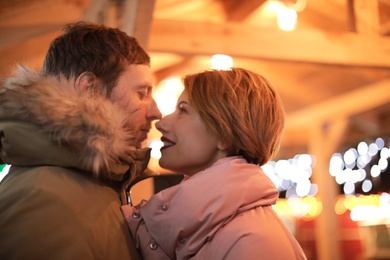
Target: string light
343,168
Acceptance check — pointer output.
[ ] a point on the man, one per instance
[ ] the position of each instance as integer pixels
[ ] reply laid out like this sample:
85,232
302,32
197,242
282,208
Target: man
73,134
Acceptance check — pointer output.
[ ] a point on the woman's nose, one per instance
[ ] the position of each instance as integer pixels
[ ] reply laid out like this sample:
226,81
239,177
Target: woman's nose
160,126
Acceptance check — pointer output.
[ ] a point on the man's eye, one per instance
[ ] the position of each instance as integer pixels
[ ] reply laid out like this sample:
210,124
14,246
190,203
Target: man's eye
142,94
145,93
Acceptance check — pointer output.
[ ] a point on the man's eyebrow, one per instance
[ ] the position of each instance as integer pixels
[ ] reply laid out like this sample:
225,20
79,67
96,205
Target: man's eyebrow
144,86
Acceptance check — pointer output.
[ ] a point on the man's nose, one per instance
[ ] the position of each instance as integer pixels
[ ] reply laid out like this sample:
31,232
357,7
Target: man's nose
154,113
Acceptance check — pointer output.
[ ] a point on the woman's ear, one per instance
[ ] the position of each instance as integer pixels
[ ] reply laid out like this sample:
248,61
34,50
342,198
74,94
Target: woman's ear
221,146
84,81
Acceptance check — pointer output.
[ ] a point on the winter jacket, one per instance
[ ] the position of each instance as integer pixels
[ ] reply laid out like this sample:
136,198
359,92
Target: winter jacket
223,212
52,205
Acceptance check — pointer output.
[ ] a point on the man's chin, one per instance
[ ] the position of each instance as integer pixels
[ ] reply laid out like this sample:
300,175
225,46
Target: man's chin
142,140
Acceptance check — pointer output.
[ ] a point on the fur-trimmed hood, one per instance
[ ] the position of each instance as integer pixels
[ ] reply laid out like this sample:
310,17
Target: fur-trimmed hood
53,120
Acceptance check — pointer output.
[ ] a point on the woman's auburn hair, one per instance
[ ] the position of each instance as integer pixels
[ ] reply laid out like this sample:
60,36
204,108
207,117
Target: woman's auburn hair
241,109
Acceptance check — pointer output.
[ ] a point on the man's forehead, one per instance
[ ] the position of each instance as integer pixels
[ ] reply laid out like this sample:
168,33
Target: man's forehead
141,75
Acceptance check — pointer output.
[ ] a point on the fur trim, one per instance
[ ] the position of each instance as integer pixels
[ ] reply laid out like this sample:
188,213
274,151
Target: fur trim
95,126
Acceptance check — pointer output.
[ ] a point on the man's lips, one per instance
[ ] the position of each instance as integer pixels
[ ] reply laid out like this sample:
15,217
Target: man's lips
167,143
146,129
143,134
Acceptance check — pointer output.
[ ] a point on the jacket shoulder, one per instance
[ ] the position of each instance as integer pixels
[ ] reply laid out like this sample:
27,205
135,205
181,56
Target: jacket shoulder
257,232
60,213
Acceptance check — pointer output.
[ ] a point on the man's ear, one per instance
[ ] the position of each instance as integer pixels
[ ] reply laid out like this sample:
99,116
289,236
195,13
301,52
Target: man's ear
84,81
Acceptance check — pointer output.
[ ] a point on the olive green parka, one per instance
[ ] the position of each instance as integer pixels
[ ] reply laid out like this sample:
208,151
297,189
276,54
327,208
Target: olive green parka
72,163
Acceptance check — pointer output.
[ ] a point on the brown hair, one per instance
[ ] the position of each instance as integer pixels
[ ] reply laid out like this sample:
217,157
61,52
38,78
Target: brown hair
104,51
241,109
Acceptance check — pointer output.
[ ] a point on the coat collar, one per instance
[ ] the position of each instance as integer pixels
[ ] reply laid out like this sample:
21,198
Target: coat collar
182,218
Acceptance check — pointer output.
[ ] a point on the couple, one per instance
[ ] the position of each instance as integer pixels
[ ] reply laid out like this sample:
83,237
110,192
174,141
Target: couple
73,135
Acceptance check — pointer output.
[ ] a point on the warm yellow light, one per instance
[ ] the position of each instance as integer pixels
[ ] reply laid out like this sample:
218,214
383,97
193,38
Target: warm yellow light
287,19
286,15
372,207
300,5
371,214
221,62
167,93
272,6
155,145
306,208
282,208
340,207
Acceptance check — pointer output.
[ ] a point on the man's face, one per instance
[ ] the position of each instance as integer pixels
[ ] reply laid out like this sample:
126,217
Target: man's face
134,94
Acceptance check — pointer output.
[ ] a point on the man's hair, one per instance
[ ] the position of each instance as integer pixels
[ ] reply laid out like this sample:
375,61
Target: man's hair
241,109
104,51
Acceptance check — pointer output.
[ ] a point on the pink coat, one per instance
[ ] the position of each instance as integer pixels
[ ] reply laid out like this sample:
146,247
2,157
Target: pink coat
223,212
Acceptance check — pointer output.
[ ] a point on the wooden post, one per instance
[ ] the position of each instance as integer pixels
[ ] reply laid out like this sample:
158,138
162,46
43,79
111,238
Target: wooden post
324,141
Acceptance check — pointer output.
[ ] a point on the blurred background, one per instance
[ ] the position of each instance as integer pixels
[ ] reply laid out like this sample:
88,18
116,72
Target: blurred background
329,61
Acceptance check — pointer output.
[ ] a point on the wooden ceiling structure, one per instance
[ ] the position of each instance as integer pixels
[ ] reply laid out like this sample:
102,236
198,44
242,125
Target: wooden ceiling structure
335,66
332,71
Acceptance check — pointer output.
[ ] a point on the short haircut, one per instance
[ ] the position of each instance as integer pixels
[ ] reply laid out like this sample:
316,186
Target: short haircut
241,109
104,51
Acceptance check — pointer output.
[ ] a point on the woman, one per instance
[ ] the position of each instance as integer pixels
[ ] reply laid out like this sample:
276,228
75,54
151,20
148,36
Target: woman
225,126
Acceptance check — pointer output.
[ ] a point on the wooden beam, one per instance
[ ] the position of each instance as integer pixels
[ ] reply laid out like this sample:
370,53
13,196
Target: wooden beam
342,106
26,20
351,16
178,69
311,46
137,19
14,35
290,85
385,28
237,11
30,52
95,11
42,13
367,16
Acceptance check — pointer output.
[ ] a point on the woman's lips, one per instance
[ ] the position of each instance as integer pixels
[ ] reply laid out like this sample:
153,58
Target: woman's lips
167,143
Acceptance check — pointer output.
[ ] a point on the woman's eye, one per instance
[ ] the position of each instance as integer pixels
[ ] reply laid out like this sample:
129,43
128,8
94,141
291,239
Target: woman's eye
181,108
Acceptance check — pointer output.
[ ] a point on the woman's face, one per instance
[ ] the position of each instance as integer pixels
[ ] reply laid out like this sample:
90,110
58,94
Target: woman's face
188,145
